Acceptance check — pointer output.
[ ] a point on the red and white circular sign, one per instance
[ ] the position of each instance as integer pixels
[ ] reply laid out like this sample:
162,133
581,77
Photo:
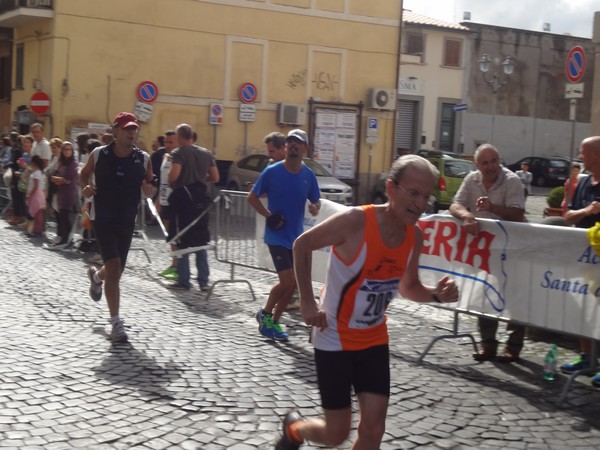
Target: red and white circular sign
147,92
39,103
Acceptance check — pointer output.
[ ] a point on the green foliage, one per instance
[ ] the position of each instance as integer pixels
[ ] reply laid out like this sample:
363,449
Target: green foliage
555,197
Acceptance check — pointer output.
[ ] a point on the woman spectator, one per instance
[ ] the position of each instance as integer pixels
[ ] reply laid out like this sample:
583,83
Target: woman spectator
66,179
55,146
19,161
570,185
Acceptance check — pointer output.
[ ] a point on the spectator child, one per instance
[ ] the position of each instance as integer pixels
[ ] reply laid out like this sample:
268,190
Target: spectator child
36,195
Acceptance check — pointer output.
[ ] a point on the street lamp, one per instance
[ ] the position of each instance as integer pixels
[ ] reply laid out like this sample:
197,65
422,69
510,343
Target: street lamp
495,82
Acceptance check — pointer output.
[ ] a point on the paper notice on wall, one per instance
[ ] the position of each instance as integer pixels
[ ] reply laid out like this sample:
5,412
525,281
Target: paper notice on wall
346,120
326,119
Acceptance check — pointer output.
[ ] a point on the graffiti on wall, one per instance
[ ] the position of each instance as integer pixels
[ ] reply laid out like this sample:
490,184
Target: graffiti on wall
322,81
325,81
297,79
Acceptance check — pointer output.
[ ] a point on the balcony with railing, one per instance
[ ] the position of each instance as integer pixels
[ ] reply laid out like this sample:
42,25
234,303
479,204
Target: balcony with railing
15,13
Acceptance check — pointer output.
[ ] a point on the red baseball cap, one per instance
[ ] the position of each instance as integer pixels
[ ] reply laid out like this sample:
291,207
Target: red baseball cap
124,120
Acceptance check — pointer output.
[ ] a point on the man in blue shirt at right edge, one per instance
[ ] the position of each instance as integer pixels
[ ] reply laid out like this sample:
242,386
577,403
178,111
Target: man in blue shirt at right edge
584,212
287,185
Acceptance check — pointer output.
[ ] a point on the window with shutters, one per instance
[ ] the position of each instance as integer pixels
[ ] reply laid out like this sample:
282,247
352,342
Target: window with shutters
452,50
414,44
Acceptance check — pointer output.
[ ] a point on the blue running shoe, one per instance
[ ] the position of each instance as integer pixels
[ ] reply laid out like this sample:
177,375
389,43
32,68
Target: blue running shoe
260,316
278,333
596,380
266,328
579,363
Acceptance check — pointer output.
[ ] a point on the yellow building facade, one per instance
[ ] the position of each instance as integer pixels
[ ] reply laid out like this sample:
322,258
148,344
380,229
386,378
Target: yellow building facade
90,58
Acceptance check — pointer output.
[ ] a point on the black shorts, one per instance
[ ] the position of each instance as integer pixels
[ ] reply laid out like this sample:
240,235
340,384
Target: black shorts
114,240
366,370
283,258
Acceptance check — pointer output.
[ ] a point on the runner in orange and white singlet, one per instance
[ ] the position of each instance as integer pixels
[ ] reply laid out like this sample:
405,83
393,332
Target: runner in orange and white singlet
367,283
375,254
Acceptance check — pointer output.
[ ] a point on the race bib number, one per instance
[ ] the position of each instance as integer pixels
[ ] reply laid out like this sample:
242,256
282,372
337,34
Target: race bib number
372,299
164,192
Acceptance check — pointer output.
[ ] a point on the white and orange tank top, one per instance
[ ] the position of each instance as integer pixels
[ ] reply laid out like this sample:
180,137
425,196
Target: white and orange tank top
357,293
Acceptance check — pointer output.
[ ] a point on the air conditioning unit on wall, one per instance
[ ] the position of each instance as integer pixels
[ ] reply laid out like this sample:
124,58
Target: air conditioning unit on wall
290,114
381,98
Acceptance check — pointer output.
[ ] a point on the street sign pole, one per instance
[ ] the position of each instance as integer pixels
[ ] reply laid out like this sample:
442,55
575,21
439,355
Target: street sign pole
214,146
572,116
574,70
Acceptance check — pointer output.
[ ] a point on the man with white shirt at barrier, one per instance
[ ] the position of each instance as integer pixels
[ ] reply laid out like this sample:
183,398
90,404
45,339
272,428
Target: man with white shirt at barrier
491,192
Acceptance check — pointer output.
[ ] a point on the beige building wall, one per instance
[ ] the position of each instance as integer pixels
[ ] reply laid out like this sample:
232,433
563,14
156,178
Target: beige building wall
91,60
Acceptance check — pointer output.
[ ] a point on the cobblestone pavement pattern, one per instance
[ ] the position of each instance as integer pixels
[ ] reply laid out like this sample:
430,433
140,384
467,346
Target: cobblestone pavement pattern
197,375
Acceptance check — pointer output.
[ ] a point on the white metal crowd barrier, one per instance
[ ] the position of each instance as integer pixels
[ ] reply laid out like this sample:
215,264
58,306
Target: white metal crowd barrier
235,240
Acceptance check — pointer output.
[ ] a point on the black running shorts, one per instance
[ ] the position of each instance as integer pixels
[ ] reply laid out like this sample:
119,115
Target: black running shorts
283,258
366,370
114,240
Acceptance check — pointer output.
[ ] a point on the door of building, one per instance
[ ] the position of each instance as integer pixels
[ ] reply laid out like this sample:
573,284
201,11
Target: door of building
406,126
447,127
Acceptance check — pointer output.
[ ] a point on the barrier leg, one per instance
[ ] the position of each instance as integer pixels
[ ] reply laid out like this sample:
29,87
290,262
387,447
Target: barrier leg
232,280
591,370
455,335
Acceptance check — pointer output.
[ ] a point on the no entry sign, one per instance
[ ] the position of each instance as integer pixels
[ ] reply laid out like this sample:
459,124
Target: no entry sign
575,64
39,103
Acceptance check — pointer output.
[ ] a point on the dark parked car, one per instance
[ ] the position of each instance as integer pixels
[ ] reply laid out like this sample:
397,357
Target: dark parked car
452,171
244,173
546,170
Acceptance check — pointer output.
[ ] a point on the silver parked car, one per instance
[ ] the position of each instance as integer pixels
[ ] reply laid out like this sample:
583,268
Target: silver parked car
244,173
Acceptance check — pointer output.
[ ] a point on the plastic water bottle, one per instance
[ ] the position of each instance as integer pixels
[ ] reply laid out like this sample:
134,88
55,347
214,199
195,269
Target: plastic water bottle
550,364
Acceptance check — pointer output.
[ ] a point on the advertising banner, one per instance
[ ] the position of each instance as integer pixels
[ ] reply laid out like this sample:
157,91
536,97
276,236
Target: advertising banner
536,274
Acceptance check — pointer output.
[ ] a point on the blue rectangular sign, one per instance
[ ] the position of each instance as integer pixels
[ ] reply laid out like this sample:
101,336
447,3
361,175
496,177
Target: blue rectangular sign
460,107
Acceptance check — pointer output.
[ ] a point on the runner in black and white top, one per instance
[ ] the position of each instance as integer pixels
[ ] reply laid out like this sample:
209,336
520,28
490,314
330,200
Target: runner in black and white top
119,170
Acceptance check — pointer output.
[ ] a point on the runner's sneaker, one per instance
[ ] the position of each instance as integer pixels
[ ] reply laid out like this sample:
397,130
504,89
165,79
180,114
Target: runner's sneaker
260,316
173,276
278,333
287,442
95,288
265,326
118,335
168,271
579,363
596,380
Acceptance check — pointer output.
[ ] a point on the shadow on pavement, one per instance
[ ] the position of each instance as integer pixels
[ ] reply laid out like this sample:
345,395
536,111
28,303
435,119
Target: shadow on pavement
126,366
581,403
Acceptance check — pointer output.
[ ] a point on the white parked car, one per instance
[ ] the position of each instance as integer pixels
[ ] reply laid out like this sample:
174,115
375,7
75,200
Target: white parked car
244,173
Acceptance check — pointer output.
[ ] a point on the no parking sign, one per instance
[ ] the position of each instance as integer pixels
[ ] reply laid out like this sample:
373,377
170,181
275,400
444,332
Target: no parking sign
248,93
216,114
147,92
575,64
